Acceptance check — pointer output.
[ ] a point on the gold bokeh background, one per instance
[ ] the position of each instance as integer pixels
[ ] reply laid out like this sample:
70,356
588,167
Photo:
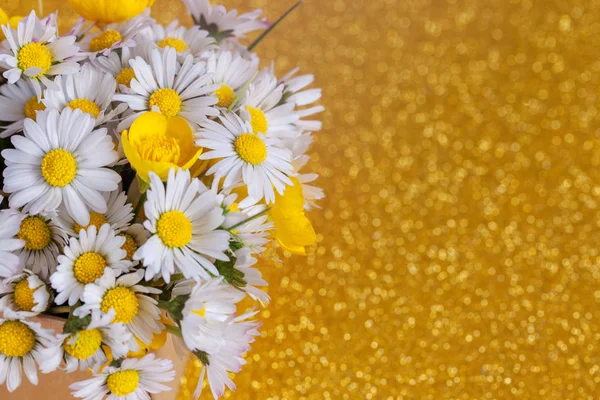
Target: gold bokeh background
457,254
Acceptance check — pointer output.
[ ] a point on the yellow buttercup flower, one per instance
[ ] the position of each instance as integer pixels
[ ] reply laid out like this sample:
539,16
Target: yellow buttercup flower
107,11
13,22
157,143
293,230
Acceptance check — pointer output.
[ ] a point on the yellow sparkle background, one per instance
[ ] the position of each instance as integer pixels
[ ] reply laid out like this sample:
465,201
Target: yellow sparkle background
457,255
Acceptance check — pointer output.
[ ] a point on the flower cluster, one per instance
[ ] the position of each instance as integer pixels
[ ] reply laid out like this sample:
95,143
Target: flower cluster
148,169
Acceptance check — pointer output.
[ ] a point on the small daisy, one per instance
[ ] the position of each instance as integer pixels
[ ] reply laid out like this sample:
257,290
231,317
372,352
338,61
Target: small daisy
23,346
25,294
218,362
86,259
10,224
249,225
262,106
117,63
116,35
222,23
250,278
209,305
172,89
133,380
255,159
183,221
135,237
18,101
89,90
60,160
39,59
133,306
295,92
184,40
84,349
44,240
231,72
119,213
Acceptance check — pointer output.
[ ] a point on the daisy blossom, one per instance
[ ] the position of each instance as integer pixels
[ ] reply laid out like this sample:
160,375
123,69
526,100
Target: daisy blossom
133,307
10,224
295,92
60,160
25,294
37,60
18,101
117,63
231,72
21,345
170,88
44,240
184,40
133,380
257,160
85,260
222,23
89,90
116,35
83,349
183,221
135,237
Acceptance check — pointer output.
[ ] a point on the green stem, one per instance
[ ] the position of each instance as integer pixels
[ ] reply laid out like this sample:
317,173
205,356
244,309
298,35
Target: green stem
269,29
266,210
173,330
241,92
140,205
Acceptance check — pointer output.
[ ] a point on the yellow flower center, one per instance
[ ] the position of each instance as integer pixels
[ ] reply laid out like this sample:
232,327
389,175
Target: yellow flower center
88,267
59,167
16,339
258,120
32,106
85,105
24,296
124,301
125,76
250,148
96,220
105,40
86,344
130,245
173,42
122,383
160,149
174,229
167,100
36,233
34,55
226,95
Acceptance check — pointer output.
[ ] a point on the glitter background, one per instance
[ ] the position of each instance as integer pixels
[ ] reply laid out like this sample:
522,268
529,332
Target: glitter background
457,255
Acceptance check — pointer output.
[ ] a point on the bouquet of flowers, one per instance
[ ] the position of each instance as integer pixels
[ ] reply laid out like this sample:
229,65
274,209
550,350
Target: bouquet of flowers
147,169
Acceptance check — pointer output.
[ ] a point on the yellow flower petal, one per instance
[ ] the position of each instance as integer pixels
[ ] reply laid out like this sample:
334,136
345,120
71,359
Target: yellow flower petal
3,17
293,230
106,11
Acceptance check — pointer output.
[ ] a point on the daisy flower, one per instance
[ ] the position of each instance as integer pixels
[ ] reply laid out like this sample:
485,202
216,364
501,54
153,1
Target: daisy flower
257,160
21,345
25,294
60,160
170,88
18,101
119,213
217,362
84,350
295,92
133,380
37,60
249,225
135,237
183,221
184,40
89,90
10,224
44,240
85,260
231,72
116,35
310,193
262,106
206,309
247,277
133,307
117,63
222,23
